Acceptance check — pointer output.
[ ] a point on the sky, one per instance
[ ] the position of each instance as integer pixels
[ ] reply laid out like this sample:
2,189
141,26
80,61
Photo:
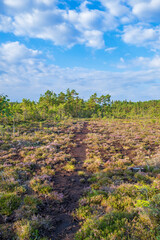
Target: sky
103,46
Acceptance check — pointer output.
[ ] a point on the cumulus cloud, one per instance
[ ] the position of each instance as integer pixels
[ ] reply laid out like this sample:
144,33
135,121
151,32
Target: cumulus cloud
116,7
147,63
91,20
6,24
47,25
93,39
16,3
45,19
148,9
155,62
141,35
63,27
46,2
13,52
26,5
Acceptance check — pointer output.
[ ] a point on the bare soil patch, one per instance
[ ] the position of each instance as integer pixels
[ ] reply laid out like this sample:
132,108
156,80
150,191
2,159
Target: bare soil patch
70,184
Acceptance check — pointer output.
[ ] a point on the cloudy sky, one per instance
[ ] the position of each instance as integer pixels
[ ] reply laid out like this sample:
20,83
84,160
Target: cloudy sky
102,46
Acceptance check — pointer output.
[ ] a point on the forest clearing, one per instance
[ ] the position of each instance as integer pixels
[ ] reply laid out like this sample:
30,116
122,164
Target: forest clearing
80,179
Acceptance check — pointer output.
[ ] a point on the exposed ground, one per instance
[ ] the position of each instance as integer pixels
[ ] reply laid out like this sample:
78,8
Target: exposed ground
74,175
72,186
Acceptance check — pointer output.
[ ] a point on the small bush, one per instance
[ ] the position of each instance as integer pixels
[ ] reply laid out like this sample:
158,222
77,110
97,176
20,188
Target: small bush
69,167
26,230
8,203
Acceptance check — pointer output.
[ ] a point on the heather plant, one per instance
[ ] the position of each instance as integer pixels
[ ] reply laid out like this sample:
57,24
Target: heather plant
121,167
93,164
8,203
25,229
41,185
129,174
69,167
47,170
81,173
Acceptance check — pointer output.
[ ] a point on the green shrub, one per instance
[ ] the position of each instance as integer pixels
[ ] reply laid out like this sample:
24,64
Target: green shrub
104,227
83,212
117,226
142,203
40,186
121,203
154,208
31,200
8,186
8,203
69,167
26,230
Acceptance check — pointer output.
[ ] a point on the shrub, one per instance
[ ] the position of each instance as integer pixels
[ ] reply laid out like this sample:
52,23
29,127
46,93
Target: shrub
8,203
26,230
154,208
104,227
40,186
69,167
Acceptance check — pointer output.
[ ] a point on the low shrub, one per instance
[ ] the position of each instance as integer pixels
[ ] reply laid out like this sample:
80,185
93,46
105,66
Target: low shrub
8,203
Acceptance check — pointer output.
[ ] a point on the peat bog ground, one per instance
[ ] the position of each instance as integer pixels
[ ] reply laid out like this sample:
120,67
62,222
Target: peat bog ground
72,186
43,177
80,179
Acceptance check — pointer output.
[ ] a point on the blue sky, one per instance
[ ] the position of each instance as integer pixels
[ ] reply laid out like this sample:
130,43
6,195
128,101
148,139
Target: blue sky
100,46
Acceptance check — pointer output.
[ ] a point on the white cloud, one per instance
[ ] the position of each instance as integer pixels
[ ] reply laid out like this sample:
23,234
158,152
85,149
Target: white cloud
147,63
110,49
141,35
122,60
91,20
6,24
93,39
47,25
46,2
67,27
13,52
148,9
16,3
63,27
91,25
26,5
116,7
155,62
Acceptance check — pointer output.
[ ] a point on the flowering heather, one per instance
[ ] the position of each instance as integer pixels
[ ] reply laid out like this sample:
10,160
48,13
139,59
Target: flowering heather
117,184
57,196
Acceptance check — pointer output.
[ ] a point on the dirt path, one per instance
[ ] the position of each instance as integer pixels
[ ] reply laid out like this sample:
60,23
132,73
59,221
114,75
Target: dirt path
70,184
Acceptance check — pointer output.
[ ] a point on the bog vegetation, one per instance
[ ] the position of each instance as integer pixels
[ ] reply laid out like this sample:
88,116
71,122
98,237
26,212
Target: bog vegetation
117,175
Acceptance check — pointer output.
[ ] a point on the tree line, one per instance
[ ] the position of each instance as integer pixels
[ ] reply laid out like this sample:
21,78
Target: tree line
69,105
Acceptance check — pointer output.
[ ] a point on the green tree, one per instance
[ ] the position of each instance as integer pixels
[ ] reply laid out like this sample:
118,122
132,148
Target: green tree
104,101
4,107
